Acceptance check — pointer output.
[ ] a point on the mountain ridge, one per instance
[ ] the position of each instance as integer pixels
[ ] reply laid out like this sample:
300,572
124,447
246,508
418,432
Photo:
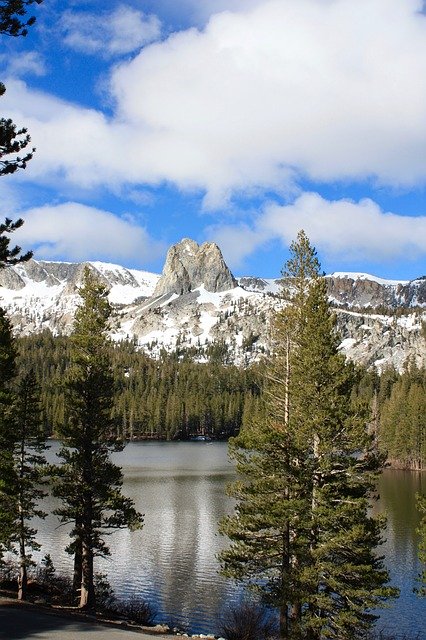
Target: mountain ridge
197,301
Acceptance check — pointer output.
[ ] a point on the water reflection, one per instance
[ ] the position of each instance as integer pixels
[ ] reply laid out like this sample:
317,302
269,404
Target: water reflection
397,501
181,489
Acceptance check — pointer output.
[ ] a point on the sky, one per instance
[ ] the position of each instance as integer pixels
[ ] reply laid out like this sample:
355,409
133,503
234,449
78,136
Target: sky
234,121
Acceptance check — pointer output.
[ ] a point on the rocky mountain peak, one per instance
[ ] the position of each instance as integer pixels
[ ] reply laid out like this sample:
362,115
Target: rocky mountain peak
190,265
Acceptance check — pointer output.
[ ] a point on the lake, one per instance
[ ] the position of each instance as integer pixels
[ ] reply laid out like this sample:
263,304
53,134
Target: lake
180,487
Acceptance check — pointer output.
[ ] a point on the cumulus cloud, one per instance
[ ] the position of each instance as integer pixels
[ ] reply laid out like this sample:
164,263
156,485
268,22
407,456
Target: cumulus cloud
343,229
117,32
261,98
75,232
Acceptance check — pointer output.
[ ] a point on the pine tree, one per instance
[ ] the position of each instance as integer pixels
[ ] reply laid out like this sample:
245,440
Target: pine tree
11,14
301,535
421,506
12,139
9,257
7,471
89,484
29,464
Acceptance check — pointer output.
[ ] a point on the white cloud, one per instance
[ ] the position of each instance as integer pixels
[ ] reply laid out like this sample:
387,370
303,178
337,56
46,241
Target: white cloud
73,231
30,62
200,12
343,229
118,32
237,242
261,98
348,230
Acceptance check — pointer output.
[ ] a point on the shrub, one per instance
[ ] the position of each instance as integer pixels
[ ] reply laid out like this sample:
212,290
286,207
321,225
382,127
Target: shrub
8,574
135,609
57,587
105,598
248,620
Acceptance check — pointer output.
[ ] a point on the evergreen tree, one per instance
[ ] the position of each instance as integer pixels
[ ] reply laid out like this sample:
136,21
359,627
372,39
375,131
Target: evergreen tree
88,483
29,467
403,420
301,535
421,506
9,256
13,140
7,472
12,13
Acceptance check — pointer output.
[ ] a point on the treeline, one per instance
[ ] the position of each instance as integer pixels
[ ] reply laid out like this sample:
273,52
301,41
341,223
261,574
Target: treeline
174,397
397,404
168,398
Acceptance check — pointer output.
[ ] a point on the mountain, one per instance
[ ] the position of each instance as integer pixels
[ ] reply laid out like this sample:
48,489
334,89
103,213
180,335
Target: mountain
197,302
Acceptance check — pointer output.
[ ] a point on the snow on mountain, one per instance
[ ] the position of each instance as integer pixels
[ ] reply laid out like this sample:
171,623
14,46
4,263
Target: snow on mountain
201,303
365,276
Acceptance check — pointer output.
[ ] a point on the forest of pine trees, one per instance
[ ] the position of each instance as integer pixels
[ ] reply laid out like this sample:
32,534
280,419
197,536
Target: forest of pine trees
168,399
176,398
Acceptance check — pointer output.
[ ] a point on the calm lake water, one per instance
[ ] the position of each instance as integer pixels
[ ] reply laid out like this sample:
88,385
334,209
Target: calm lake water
180,487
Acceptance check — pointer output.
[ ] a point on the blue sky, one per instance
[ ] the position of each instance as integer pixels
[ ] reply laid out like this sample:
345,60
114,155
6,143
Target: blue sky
235,121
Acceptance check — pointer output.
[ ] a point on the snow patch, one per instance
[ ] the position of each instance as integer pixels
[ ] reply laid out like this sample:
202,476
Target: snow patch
365,276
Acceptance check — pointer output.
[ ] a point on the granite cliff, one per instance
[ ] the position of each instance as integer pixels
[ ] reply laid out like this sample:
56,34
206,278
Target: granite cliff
197,301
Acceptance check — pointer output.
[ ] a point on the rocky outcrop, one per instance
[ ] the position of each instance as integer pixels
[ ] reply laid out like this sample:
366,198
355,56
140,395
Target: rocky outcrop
10,279
197,302
189,265
251,283
359,290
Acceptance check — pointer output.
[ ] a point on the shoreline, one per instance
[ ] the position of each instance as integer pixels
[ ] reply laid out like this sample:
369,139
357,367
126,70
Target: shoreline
159,631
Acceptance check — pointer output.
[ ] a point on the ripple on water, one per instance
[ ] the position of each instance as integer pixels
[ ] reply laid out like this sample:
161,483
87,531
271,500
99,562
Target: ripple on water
172,562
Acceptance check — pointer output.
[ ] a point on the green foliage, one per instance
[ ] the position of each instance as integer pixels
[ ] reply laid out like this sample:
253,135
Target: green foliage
88,483
8,505
397,402
13,140
171,398
421,506
403,420
8,256
29,463
301,535
11,14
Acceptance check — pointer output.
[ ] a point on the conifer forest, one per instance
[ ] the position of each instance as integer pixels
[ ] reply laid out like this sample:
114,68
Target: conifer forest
176,398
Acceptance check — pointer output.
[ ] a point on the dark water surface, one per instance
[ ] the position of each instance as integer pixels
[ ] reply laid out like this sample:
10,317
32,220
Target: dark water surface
180,487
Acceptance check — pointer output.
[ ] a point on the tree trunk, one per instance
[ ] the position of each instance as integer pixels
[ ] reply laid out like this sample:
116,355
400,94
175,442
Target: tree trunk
87,594
283,622
78,569
287,382
23,578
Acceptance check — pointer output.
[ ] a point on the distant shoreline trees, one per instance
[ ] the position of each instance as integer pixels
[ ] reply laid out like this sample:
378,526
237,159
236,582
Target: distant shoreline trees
175,398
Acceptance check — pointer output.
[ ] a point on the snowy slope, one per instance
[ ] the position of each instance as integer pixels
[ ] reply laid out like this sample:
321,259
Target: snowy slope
44,295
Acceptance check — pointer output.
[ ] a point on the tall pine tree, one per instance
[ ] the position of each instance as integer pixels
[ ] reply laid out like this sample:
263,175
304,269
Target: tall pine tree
89,484
7,472
301,535
29,462
13,141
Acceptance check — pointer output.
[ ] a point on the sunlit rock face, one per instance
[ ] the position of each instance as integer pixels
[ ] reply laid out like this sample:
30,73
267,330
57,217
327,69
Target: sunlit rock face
197,303
189,266
362,290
